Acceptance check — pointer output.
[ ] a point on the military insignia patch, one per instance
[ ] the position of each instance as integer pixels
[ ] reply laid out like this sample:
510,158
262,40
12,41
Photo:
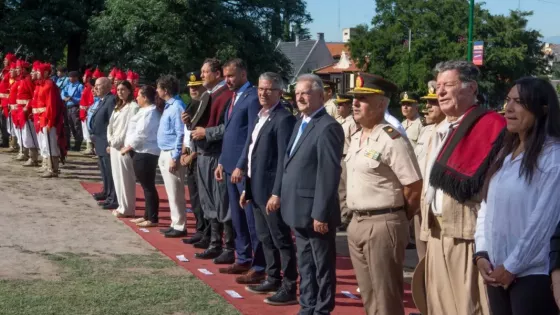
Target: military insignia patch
432,90
394,134
192,78
372,154
405,97
359,82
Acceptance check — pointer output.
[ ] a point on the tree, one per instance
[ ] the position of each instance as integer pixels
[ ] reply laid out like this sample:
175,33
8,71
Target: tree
161,36
439,31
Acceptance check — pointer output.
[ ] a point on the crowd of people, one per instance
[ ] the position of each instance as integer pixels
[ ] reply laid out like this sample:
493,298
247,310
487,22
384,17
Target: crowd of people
262,165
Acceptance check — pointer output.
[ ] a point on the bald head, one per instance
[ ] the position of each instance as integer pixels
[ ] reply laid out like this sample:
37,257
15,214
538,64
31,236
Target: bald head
102,86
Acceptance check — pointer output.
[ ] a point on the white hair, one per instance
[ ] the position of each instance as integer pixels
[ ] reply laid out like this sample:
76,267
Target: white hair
273,78
316,82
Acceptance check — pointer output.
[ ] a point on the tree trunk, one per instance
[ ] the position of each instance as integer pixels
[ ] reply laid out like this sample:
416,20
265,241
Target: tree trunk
74,48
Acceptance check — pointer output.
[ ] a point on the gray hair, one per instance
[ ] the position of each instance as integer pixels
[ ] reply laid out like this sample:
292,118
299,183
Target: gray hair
316,82
274,78
468,72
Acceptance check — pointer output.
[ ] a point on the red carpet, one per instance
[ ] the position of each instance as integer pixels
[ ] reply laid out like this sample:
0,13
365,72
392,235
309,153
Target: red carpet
250,304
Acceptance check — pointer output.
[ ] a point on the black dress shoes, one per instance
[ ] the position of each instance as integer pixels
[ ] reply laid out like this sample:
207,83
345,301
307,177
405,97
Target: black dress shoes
226,258
110,206
163,231
210,253
203,244
99,196
194,239
264,287
282,297
175,233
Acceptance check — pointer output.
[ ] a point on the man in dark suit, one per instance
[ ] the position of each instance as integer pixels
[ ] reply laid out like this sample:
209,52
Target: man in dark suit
240,114
98,130
263,159
309,195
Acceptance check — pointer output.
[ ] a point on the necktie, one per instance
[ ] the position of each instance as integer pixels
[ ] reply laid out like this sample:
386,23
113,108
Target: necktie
300,132
231,105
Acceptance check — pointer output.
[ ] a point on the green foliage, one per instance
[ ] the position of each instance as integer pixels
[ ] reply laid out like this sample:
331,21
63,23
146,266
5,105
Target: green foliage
439,33
555,71
155,37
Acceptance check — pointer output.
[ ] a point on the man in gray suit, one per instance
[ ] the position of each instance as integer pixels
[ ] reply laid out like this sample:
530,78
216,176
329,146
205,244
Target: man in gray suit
309,195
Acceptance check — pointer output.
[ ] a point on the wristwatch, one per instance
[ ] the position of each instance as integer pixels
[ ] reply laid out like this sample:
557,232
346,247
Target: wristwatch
479,255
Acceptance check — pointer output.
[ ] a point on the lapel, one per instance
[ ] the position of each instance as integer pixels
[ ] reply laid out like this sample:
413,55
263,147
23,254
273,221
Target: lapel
304,135
267,124
238,104
101,104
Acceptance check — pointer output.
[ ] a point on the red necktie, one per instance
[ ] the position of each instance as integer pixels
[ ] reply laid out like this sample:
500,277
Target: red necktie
231,105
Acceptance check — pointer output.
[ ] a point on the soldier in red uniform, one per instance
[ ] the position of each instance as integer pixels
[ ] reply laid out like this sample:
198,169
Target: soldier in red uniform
85,102
8,60
6,81
111,77
21,116
50,111
32,121
12,109
133,77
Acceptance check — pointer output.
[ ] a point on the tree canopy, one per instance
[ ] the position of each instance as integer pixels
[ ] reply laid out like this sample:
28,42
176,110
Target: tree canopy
439,32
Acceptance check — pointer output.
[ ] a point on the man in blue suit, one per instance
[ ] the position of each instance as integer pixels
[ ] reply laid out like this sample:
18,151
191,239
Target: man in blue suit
240,114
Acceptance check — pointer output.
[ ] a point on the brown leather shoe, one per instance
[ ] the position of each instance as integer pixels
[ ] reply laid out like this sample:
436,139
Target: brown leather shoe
251,277
235,269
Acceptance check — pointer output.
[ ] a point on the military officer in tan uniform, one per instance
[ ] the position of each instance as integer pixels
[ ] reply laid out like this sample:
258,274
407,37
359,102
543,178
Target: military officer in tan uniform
413,122
383,192
330,105
346,119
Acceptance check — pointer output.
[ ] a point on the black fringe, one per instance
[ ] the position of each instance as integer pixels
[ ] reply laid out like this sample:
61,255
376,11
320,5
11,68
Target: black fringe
459,186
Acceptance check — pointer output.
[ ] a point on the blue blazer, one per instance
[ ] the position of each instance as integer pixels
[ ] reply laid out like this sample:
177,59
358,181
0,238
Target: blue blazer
312,173
99,123
243,115
267,157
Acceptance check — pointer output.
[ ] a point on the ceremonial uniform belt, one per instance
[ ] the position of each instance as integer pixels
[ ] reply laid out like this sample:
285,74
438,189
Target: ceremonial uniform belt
22,102
371,213
4,95
39,110
13,106
84,107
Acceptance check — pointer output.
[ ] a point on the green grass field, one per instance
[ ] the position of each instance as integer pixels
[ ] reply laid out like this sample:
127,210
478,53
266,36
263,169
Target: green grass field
123,284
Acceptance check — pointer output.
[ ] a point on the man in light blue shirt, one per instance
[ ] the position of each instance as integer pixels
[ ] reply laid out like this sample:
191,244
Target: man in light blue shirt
61,78
71,94
170,140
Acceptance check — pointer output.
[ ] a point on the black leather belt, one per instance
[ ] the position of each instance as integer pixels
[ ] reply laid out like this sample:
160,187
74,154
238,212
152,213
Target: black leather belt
371,213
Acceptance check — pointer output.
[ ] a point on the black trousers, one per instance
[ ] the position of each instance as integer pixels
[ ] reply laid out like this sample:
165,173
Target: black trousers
316,256
202,224
104,163
529,295
74,127
4,135
278,248
145,166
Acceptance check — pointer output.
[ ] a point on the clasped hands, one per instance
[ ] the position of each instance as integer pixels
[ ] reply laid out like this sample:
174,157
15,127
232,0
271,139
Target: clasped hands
495,277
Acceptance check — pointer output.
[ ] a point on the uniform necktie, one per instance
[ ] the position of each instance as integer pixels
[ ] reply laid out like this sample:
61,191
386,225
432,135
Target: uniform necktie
300,132
231,106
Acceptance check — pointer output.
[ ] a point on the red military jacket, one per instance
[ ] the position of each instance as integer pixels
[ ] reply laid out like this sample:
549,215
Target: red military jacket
86,101
5,86
33,106
24,95
49,103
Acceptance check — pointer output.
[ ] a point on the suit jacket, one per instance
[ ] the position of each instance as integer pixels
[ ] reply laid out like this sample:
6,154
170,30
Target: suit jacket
99,123
312,173
243,115
267,157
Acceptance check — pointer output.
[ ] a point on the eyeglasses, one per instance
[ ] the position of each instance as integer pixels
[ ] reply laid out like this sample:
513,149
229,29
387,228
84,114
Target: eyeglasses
267,91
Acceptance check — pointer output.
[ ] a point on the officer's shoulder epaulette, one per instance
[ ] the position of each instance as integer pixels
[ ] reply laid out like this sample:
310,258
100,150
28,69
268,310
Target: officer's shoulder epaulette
392,132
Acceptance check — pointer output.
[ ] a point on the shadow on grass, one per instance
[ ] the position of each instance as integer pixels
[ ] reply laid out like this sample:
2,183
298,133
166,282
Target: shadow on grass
121,284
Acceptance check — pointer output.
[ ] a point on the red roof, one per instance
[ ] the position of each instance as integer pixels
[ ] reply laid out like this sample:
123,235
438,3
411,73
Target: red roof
336,49
332,69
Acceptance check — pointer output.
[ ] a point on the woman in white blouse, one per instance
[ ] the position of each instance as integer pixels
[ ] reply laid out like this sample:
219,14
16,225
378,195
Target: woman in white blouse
121,165
522,205
141,143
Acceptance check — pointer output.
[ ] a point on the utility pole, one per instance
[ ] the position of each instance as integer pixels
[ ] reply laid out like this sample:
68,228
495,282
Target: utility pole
409,57
471,22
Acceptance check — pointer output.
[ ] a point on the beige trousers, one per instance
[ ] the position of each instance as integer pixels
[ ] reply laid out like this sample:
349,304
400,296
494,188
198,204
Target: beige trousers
420,244
175,188
345,213
377,246
453,284
125,182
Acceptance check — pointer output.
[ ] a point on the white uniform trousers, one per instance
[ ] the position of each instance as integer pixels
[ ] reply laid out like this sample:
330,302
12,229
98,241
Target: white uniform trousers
30,135
175,188
54,150
125,181
85,131
18,133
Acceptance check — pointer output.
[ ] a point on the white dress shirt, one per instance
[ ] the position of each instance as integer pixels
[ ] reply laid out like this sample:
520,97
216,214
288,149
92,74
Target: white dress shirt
517,220
118,124
263,116
142,130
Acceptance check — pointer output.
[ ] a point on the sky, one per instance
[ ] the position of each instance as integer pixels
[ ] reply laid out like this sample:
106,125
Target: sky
325,15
